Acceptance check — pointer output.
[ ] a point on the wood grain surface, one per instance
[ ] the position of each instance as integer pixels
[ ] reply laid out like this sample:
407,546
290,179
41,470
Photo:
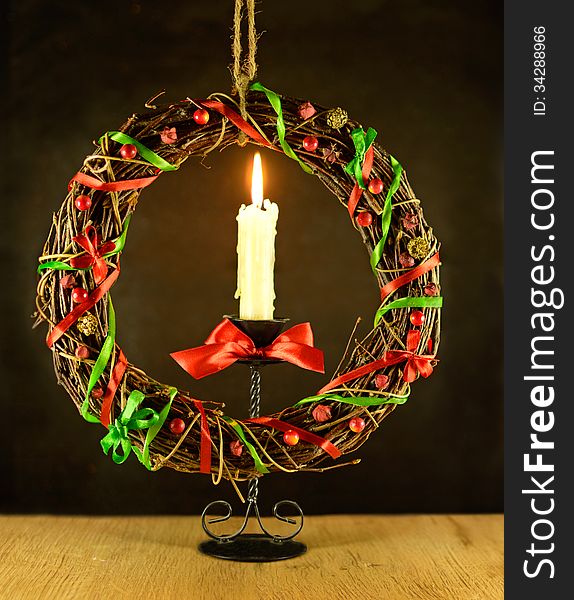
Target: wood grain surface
369,557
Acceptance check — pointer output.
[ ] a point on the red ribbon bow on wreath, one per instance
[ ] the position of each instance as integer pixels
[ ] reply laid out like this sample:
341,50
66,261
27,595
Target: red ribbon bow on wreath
416,363
227,344
94,253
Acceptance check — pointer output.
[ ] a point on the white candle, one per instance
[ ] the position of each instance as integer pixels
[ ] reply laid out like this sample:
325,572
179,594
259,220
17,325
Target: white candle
256,224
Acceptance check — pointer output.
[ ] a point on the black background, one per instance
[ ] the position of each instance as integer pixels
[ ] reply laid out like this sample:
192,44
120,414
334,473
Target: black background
426,75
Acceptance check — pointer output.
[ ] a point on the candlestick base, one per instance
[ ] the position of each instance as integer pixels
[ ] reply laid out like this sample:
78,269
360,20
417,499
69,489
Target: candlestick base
256,547
252,547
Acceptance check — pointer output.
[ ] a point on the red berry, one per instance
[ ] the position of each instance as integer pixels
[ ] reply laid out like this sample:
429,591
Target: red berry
382,381
83,202
375,186
236,448
79,295
365,218
82,352
321,413
177,426
417,318
310,143
291,438
356,424
97,393
201,116
128,151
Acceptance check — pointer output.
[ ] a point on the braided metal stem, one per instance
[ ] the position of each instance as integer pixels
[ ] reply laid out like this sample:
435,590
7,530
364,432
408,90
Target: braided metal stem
254,408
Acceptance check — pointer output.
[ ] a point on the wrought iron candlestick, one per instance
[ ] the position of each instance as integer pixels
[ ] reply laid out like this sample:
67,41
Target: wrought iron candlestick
265,546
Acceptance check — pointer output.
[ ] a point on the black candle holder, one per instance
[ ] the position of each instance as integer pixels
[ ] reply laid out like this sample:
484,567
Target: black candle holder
265,546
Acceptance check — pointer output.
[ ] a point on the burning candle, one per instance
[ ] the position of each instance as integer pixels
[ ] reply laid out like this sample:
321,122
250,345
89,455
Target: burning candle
256,224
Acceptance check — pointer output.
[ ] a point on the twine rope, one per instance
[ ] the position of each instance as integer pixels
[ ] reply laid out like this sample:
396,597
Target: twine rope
244,68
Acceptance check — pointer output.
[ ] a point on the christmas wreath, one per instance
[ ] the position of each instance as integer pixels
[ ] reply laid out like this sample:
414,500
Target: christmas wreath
166,427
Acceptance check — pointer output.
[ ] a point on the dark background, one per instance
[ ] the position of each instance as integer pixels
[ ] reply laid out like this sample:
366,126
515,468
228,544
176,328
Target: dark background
426,75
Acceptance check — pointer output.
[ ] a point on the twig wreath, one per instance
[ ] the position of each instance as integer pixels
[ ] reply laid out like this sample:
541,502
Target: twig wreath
166,427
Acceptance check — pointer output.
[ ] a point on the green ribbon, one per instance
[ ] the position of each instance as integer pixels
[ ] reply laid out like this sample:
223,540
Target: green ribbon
154,430
58,265
362,142
120,242
129,419
387,212
144,151
101,362
239,431
356,400
275,102
409,302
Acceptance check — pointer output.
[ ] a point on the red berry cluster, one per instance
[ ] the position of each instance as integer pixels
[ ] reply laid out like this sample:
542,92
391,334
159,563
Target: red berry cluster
365,217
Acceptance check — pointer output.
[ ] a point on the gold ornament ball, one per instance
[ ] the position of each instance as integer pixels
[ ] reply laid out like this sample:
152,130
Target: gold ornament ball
87,324
418,247
337,117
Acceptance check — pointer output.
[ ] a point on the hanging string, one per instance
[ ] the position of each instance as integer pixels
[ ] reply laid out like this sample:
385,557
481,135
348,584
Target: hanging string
244,68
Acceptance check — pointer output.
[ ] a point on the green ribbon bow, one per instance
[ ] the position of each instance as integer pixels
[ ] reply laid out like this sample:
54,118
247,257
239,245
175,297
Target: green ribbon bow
129,419
362,142
154,430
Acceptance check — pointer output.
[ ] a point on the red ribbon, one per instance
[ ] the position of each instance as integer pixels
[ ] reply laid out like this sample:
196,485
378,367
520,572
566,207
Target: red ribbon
306,436
227,344
357,191
416,364
237,120
94,253
112,186
63,326
395,284
205,444
115,379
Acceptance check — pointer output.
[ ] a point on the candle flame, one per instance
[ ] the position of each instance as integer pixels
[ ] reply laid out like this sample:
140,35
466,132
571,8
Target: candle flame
257,181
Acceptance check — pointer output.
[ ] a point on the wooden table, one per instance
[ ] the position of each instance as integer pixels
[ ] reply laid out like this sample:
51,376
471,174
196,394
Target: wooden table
366,557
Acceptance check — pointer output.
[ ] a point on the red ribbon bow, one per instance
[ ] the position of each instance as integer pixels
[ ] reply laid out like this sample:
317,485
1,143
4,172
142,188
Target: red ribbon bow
416,363
94,253
227,344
